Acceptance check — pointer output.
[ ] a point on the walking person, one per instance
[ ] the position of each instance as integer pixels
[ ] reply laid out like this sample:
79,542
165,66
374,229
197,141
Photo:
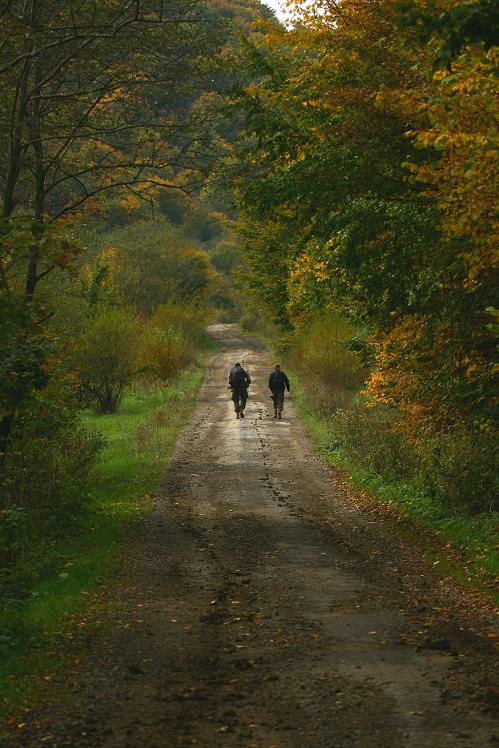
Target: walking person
278,382
239,380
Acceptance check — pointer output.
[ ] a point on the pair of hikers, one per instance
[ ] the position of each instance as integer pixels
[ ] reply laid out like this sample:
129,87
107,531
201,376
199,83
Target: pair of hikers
239,381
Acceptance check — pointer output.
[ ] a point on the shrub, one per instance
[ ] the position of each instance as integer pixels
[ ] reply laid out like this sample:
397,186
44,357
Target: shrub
171,340
188,319
455,467
22,358
454,464
371,438
164,352
106,357
157,266
225,258
331,372
249,323
45,473
459,467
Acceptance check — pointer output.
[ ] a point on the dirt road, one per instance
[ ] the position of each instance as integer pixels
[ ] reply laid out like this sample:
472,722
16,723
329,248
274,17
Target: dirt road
260,608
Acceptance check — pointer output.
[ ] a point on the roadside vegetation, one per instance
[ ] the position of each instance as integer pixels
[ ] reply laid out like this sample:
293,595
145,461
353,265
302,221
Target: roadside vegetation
64,578
369,233
360,442
373,203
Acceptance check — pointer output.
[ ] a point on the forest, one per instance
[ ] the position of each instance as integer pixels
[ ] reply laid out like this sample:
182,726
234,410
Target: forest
327,182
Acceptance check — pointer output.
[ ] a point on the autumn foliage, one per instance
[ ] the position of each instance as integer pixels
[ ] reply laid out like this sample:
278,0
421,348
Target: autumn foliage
369,192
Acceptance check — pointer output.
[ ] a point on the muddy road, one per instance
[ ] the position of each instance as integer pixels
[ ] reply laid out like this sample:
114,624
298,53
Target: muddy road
260,607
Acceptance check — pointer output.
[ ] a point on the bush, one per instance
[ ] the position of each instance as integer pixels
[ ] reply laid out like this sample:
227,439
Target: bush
171,340
460,468
225,258
45,473
22,358
330,371
454,465
159,264
456,468
164,352
188,319
45,455
371,438
249,323
106,357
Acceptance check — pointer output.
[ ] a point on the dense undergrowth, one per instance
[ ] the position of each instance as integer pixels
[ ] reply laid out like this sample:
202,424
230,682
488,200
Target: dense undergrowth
63,582
49,456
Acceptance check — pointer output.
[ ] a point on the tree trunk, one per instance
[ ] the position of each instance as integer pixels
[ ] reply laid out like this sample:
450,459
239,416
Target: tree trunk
36,138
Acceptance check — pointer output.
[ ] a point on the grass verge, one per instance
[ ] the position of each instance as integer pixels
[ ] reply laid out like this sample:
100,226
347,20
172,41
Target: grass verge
464,546
65,603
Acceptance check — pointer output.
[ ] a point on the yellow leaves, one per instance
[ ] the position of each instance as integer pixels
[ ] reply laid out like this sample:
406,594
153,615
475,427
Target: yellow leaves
394,377
440,74
459,107
305,265
111,97
308,277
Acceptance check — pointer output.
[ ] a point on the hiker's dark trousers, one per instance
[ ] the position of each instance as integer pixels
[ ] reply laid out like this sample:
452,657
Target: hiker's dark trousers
239,397
278,398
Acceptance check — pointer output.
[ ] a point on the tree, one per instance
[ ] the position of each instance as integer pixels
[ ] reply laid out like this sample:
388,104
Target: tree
366,182
91,106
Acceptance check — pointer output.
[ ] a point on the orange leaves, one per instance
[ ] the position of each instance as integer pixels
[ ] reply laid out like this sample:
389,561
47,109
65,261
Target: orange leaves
395,376
306,265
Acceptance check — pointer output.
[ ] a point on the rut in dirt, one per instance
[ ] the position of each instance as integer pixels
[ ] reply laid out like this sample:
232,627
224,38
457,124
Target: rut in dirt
259,607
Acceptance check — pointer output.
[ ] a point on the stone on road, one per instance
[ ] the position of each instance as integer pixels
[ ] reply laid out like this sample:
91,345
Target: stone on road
260,607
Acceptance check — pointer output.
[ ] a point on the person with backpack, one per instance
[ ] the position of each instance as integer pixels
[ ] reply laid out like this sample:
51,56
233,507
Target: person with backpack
239,380
278,381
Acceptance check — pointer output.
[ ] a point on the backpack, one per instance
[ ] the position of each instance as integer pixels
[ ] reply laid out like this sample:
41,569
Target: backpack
238,378
277,381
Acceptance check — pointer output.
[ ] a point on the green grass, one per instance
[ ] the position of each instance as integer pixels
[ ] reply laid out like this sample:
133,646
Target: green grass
64,600
463,545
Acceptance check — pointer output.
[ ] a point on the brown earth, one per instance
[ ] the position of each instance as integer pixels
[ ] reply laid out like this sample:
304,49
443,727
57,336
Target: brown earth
261,607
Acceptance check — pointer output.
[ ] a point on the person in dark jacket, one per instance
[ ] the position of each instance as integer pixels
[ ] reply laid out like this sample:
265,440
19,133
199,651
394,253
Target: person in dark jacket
278,381
239,380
